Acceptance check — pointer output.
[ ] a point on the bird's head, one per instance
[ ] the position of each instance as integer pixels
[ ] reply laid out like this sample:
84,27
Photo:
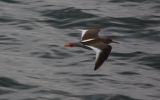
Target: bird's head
111,41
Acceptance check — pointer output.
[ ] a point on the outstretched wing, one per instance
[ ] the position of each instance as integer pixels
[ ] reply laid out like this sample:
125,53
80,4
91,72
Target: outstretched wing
102,56
89,34
102,52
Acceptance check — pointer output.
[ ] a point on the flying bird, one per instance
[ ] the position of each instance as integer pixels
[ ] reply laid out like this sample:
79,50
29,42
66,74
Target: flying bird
91,40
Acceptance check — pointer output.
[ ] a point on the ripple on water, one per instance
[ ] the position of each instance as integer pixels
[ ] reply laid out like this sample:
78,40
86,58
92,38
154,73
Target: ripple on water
10,1
53,54
123,1
67,13
46,55
3,91
10,83
121,97
126,56
64,17
134,23
87,97
92,75
9,40
128,73
150,61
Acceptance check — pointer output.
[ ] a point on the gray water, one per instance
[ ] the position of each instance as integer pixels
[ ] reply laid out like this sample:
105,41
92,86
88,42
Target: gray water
34,65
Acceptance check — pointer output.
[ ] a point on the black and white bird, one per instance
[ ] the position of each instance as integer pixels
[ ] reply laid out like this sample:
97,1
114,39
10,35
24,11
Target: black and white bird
91,40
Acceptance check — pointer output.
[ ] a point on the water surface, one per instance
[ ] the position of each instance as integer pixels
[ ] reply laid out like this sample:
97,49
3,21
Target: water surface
34,65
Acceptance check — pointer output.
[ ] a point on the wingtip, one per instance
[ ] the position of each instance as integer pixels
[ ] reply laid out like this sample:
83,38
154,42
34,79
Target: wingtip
95,69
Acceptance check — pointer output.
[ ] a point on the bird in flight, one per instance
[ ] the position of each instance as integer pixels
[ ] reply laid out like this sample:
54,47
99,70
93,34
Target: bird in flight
91,40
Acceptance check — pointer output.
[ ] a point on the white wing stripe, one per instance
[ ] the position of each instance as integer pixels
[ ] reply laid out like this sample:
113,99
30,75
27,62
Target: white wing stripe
83,32
87,40
98,51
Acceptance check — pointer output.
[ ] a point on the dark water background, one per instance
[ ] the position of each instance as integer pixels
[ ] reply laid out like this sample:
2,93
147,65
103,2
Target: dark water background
34,65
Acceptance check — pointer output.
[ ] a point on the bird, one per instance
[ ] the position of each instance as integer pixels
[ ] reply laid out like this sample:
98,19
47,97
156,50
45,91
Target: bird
90,39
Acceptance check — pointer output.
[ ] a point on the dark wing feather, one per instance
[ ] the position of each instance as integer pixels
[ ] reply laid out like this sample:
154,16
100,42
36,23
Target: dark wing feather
104,51
102,56
91,33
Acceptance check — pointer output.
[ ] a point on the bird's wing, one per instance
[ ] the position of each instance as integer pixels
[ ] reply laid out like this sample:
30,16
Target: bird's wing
89,34
102,52
102,56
